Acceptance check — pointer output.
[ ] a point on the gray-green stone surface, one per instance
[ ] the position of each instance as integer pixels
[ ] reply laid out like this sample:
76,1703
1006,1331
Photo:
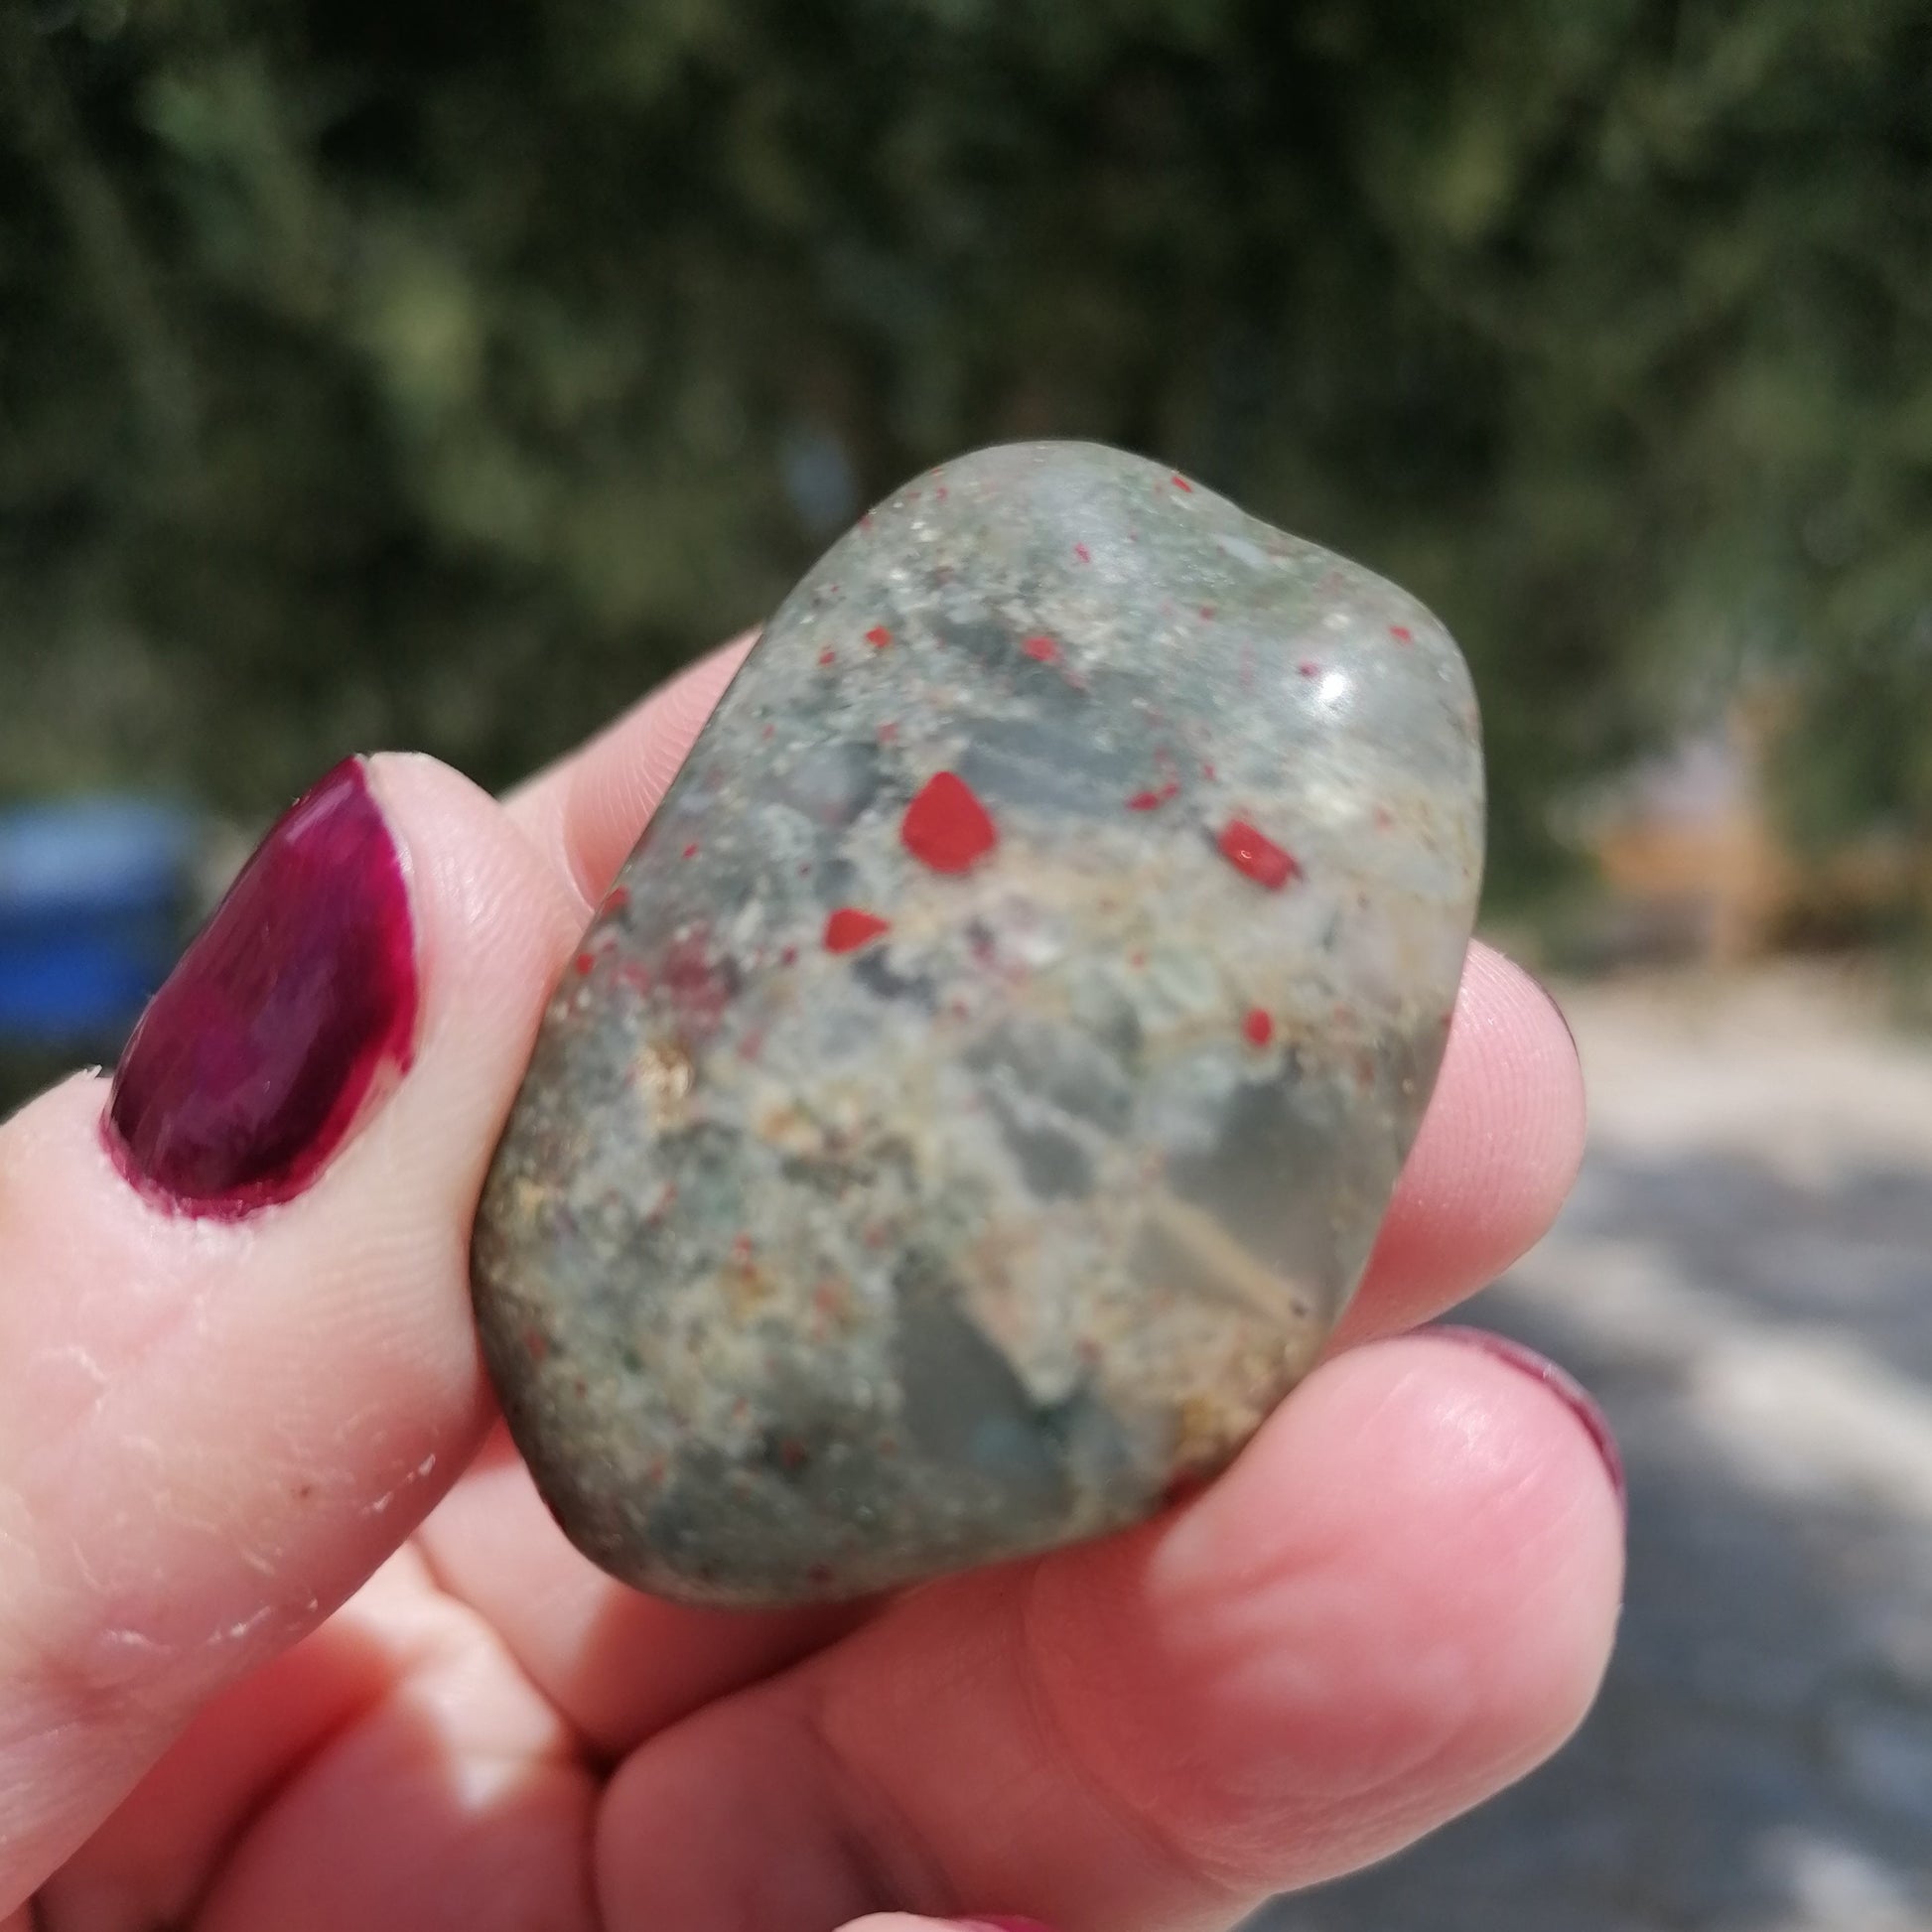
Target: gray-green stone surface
976,1103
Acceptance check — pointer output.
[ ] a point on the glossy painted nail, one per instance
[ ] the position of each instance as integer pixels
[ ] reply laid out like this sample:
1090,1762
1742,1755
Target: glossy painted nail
292,1014
1564,1386
1001,1923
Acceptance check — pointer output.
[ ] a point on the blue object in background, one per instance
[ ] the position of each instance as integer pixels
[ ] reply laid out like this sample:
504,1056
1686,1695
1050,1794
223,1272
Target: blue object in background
93,899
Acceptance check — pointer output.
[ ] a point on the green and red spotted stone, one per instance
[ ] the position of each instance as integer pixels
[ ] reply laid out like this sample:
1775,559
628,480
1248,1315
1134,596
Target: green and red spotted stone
976,1103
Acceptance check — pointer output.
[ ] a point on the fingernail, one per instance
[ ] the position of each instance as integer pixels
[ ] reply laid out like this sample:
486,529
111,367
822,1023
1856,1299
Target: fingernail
289,1017
1571,1393
1001,1924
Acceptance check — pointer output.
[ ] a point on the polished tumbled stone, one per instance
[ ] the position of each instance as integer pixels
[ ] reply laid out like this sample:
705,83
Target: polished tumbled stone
975,1104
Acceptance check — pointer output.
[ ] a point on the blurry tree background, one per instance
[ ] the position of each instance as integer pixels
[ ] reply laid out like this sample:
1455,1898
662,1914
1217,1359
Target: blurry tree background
422,372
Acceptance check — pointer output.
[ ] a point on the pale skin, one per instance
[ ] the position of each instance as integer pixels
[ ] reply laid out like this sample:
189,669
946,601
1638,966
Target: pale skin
287,1640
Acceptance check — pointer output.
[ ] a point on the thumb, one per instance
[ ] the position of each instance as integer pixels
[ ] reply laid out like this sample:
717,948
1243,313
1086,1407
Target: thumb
236,1360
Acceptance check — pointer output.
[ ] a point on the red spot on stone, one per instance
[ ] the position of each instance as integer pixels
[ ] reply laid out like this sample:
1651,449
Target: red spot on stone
536,1344
742,1247
1253,853
1384,818
828,657
1081,551
1137,960
699,986
1042,650
939,495
789,956
1207,770
616,899
584,962
879,637
768,730
849,928
1258,1027
1402,634
1208,612
946,827
889,734
1149,801
1309,667
1181,483
691,850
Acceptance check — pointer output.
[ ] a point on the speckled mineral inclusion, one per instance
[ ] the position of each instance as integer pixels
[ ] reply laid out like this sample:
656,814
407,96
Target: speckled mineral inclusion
976,1101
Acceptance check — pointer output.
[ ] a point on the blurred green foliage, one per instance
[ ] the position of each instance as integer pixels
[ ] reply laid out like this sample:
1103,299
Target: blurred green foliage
412,371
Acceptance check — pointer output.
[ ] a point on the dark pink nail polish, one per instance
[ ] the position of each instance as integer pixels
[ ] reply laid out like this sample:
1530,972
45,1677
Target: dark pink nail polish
1001,1924
1581,1403
293,1011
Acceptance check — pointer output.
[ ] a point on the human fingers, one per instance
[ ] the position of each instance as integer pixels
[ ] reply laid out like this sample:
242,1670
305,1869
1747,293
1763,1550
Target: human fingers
587,811
1494,1161
1399,1600
392,1771
1497,1151
236,1357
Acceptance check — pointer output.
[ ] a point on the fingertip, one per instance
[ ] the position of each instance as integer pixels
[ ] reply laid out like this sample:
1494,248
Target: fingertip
1399,1599
616,782
1496,1156
1583,1406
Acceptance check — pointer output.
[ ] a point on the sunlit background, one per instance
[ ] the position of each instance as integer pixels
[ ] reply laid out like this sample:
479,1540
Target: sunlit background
408,372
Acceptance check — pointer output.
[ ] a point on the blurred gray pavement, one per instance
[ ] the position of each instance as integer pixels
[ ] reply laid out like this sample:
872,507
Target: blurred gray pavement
1744,1278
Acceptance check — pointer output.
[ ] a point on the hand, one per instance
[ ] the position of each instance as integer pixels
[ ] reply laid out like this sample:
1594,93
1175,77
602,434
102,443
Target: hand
288,1641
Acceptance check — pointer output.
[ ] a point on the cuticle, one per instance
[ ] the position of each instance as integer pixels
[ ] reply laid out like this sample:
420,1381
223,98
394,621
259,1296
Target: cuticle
366,762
